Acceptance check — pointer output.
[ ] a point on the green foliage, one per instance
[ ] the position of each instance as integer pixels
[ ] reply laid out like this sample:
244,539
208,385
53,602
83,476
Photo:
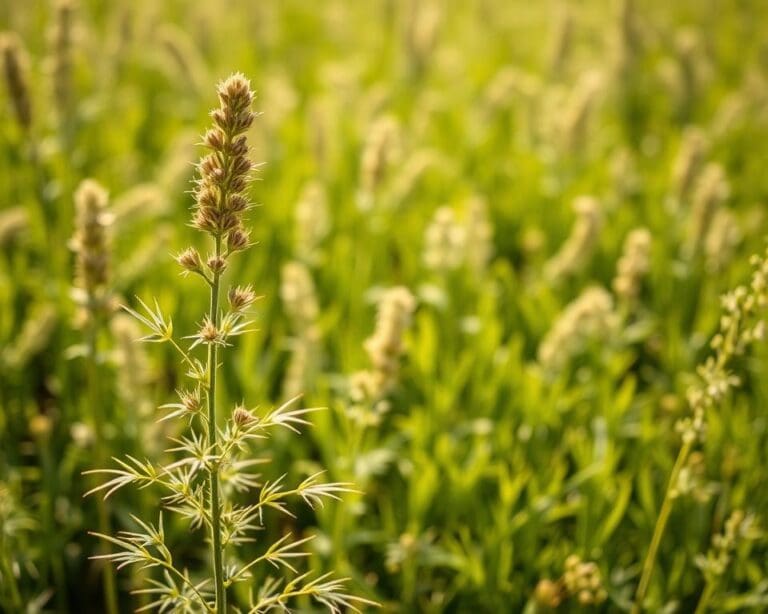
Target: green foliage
517,409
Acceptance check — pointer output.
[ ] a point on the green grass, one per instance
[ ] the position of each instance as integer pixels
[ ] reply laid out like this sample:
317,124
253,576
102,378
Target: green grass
486,471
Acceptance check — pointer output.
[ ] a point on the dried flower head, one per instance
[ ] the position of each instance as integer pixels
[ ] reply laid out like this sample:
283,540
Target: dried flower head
385,346
14,67
91,244
633,265
688,162
589,317
61,58
562,39
575,118
32,339
220,192
190,261
575,253
710,192
241,297
381,149
721,240
242,417
444,241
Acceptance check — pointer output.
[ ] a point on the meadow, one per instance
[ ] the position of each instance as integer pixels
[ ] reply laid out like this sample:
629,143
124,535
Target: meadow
458,302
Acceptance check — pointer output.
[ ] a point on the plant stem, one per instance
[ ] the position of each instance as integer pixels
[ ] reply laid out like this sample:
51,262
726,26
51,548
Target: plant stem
9,578
658,530
218,567
110,590
706,595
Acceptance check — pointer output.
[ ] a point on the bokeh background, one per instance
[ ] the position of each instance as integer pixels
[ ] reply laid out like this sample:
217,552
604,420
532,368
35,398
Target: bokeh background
565,188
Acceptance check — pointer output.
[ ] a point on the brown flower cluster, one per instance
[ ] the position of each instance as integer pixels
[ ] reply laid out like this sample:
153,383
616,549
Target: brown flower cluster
91,240
220,198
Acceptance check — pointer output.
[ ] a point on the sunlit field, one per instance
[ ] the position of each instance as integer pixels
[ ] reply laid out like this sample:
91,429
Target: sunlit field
389,306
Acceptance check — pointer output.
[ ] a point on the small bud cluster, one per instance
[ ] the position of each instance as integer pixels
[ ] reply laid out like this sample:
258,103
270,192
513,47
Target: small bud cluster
18,89
582,579
91,244
740,326
589,317
739,527
633,265
220,199
578,247
385,346
691,481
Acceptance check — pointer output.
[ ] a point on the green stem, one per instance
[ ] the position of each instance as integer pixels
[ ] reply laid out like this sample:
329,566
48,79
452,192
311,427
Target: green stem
658,530
9,579
218,566
47,512
703,605
110,587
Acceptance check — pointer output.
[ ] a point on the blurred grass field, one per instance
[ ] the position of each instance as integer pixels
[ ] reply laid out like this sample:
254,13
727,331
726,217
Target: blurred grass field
490,156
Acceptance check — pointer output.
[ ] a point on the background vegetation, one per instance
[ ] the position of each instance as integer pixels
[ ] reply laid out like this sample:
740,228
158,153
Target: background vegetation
437,146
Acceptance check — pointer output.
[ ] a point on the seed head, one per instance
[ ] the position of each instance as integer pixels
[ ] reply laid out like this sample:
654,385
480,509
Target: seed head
385,346
241,297
91,239
238,240
190,260
242,417
575,253
190,399
209,333
14,65
587,318
633,265
61,60
216,264
223,172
